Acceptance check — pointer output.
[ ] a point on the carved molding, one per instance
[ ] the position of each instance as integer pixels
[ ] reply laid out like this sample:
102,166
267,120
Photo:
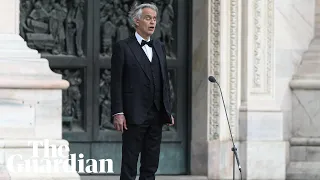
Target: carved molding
270,46
214,69
234,59
233,46
263,29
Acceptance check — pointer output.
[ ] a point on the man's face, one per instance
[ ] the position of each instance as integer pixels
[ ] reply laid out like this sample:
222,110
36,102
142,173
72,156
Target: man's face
147,23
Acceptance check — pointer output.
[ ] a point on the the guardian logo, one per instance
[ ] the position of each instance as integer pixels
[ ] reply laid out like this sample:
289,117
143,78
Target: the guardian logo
58,160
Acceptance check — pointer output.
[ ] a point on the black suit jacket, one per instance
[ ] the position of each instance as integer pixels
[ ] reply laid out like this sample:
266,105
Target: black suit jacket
130,81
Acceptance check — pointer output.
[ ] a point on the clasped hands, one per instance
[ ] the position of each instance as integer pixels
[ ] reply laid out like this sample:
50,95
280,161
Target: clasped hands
120,123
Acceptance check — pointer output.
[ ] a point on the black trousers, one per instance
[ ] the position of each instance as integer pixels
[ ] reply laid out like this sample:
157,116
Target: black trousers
144,139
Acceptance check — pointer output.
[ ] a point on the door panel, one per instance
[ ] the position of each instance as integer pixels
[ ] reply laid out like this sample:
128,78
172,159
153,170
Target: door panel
91,27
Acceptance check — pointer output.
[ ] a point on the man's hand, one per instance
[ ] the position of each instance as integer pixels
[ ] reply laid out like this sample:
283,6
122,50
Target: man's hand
119,122
172,121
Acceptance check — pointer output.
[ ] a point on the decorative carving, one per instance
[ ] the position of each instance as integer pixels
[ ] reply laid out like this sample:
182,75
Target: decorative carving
234,34
171,75
270,29
166,22
214,68
257,45
53,26
263,47
115,24
72,115
105,100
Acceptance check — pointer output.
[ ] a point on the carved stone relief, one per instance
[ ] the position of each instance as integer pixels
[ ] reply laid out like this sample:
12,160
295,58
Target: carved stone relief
105,100
233,51
172,88
234,59
262,16
72,114
116,25
214,68
53,26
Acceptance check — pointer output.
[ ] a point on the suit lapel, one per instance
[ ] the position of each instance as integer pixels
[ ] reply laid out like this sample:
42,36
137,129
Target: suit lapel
139,54
160,54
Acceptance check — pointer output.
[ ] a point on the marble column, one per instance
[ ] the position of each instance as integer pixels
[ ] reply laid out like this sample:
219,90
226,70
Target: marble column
305,84
264,147
216,52
30,103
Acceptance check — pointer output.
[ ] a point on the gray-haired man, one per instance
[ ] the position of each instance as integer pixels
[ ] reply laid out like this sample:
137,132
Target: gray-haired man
140,95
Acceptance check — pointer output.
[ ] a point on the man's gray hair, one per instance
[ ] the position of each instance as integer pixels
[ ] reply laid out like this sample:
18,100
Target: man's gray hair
136,11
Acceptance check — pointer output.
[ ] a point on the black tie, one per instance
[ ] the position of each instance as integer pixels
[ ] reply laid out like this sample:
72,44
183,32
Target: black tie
143,42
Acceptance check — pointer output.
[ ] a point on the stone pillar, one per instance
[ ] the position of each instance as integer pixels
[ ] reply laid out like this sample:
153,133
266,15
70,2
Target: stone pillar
216,52
305,84
30,104
264,147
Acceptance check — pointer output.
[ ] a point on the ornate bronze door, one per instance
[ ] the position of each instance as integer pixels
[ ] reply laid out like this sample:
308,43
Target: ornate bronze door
76,36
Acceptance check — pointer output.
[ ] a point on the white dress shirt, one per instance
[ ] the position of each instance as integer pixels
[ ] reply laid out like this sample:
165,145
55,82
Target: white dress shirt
146,48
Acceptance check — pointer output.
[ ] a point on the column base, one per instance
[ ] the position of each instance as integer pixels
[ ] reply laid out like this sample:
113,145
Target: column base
30,108
264,149
214,159
264,160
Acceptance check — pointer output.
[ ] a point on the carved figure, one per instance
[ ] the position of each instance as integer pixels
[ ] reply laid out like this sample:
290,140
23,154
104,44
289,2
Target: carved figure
52,26
105,101
109,29
58,15
74,28
166,26
173,100
25,10
71,98
123,30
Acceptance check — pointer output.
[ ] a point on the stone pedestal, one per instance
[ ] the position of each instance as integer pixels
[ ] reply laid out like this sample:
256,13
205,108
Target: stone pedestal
30,106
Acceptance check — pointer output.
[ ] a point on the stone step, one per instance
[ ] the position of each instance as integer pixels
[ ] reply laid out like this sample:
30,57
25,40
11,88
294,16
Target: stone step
305,149
59,175
302,141
314,47
19,54
305,153
311,55
17,45
12,42
179,177
303,170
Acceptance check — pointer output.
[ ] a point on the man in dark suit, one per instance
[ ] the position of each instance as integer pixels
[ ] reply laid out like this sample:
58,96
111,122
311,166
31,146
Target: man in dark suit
140,95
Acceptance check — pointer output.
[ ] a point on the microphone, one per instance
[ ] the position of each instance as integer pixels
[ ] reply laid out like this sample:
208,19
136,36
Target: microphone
233,149
212,79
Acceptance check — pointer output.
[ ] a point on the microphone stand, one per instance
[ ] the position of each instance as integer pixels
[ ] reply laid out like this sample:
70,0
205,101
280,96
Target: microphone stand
233,149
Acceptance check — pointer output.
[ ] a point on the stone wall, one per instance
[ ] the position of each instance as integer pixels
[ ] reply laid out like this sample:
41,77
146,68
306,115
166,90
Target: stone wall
253,48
